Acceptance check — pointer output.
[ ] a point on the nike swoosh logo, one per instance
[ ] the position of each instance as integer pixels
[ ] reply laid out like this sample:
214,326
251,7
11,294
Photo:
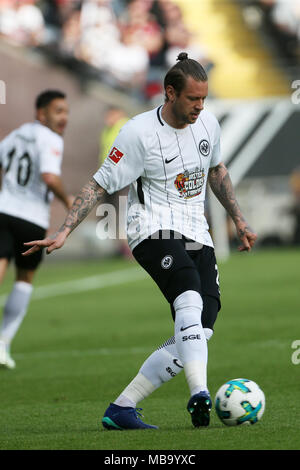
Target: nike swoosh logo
171,159
176,362
183,329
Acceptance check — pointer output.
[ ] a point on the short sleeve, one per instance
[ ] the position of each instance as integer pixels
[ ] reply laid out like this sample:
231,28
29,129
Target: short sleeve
216,150
125,161
51,149
5,148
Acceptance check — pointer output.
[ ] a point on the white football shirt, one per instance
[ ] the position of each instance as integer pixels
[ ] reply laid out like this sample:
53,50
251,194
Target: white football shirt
25,154
167,171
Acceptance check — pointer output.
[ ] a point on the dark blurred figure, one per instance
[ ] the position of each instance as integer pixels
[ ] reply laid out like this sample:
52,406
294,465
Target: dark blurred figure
295,209
114,119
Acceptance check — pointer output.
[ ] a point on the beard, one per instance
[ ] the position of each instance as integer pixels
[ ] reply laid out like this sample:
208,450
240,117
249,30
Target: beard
183,117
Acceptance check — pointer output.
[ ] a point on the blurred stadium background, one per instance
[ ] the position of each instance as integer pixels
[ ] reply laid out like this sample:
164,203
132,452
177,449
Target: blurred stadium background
77,352
107,53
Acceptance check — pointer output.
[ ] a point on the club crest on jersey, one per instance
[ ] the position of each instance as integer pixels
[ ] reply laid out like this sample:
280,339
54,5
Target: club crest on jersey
190,183
115,155
204,147
167,262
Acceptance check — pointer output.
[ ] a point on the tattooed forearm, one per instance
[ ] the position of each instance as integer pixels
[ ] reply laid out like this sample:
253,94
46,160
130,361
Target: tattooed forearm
221,186
88,197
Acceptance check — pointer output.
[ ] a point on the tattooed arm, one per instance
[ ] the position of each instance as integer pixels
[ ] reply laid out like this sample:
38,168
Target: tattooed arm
221,186
88,197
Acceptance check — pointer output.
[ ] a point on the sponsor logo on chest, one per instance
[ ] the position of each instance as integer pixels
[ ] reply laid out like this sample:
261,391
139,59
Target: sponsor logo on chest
190,183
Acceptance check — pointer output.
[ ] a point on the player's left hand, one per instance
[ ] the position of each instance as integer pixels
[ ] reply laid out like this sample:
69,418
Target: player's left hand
246,236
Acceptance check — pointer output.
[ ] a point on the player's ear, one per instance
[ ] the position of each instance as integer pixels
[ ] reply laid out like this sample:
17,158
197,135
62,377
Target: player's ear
170,92
41,115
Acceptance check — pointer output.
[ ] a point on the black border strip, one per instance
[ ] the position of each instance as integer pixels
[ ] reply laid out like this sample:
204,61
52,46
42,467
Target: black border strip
140,191
158,115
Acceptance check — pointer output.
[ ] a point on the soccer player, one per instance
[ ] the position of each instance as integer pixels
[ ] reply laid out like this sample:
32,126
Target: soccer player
168,155
30,159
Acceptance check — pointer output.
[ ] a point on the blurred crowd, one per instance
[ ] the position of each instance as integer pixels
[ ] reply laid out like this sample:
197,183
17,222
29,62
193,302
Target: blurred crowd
280,18
130,42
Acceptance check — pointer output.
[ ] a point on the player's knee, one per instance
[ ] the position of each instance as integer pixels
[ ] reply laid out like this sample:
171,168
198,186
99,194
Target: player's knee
25,275
211,307
208,333
188,299
182,280
188,309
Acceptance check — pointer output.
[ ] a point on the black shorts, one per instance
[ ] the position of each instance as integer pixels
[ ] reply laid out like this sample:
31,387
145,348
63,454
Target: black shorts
178,264
13,233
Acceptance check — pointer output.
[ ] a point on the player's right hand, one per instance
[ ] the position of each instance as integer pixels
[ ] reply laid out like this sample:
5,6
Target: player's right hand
51,243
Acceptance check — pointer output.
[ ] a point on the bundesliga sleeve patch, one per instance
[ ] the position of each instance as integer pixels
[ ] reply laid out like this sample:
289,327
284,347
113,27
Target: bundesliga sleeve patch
56,152
115,155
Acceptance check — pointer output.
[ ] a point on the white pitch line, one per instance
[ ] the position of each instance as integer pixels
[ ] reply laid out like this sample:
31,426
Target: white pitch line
83,353
99,281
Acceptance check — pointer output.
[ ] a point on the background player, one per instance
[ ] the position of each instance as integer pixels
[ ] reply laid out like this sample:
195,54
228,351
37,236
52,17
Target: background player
114,119
30,159
168,155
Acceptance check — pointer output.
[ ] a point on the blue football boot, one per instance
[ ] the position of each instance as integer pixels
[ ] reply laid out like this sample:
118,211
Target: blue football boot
199,407
124,417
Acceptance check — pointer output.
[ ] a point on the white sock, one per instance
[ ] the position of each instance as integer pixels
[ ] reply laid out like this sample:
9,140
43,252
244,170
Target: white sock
15,310
190,339
163,364
208,333
160,367
138,389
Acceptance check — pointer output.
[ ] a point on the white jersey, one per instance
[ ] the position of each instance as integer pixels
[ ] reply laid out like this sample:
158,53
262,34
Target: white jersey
25,154
167,171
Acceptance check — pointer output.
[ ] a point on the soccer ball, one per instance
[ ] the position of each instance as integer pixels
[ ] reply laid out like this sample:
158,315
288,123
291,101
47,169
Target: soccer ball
240,401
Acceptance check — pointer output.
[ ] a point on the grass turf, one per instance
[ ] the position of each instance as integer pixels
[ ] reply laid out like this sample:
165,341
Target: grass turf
76,352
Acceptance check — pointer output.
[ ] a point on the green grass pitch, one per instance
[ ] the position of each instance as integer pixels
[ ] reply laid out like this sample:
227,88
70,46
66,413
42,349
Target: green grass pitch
76,352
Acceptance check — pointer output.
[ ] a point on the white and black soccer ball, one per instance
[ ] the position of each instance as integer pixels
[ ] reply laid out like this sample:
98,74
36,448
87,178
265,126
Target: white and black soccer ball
240,401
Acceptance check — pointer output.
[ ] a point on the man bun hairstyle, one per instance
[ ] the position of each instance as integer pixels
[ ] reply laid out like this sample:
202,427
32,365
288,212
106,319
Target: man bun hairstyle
178,74
182,56
44,98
